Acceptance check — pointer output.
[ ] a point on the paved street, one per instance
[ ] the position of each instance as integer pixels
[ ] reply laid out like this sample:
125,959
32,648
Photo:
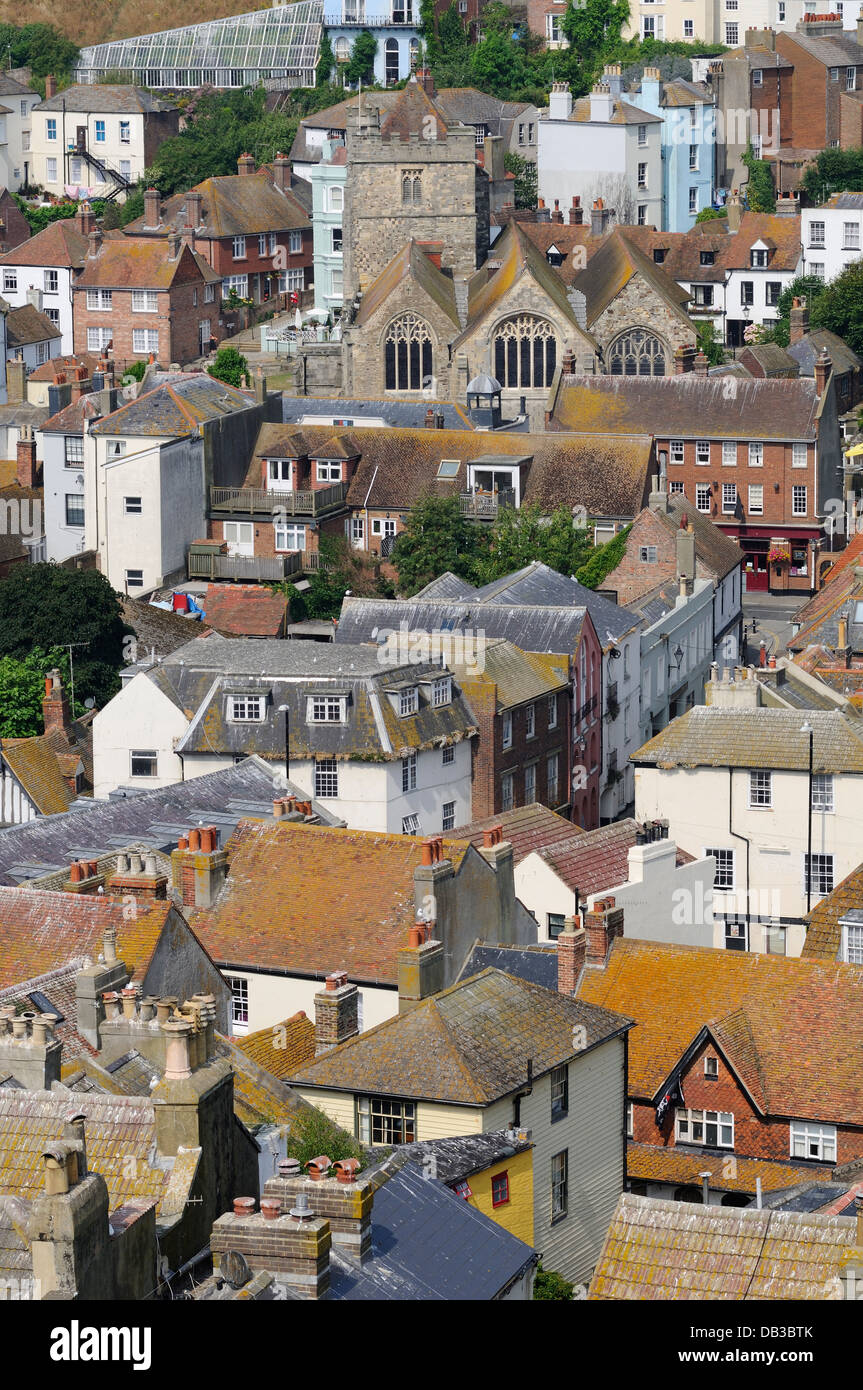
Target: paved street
773,613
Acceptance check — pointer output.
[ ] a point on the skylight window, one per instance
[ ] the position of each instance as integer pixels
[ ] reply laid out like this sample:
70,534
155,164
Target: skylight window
448,468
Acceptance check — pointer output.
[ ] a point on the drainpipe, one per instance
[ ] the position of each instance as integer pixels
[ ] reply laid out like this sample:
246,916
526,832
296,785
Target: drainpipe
738,836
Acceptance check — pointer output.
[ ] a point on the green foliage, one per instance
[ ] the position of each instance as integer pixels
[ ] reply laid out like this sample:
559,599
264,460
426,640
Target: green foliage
437,538
136,370
708,343
604,559
230,366
326,61
839,307
41,217
329,584
551,1286
803,285
593,30
498,66
834,171
40,47
43,606
521,536
427,29
452,35
220,127
708,214
526,180
361,65
761,195
22,686
133,207
313,1133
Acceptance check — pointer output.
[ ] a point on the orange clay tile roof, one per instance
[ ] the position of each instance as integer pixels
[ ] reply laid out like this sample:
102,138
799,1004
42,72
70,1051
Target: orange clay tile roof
35,763
409,114
595,860
232,205
824,935
613,266
802,1032
42,931
678,1250
59,244
652,1163
311,899
88,360
131,263
248,609
281,1049
527,828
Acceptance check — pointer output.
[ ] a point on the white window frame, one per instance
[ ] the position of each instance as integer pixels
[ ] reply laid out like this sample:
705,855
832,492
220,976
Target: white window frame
702,453
447,755
152,756
145,340
442,692
552,712
238,248
326,779
822,792
145,302
760,789
530,721
409,773
702,497
506,739
246,709
729,499
805,1134
408,701
326,709
52,282
507,791
799,499
100,301
686,1121
327,472
755,505
724,869
239,988
284,532
852,942
799,455
729,453
823,873
756,454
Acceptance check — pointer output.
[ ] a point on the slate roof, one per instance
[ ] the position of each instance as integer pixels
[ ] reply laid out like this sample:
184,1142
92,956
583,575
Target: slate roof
526,828
131,263
464,1155
520,676
612,267
791,1028
773,359
305,899
824,933
232,205
406,413
622,113
811,345
410,263
708,736
157,817
58,244
467,1045
178,407
158,631
535,964
71,419
684,1167
678,1250
834,49
595,860
110,98
26,325
540,585
250,610
687,407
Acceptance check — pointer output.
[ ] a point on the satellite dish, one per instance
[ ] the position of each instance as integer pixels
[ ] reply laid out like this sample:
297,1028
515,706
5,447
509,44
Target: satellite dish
235,1269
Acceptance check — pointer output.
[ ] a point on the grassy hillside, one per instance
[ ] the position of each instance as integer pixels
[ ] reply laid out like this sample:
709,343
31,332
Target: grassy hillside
96,21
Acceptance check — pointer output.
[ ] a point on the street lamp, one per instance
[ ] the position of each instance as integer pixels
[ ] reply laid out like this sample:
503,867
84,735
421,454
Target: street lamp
807,729
286,711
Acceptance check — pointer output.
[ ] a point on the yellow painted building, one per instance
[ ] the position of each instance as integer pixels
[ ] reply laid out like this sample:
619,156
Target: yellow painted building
504,1191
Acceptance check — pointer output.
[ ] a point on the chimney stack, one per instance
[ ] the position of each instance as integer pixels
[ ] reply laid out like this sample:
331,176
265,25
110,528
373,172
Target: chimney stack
823,369
420,968
175,241
282,173
576,212
16,381
336,1013
27,470
734,210
245,165
55,704
600,216
426,81
29,1051
152,208
199,867
85,219
798,319
95,240
700,365
294,1248
602,923
50,86
193,209
571,952
685,560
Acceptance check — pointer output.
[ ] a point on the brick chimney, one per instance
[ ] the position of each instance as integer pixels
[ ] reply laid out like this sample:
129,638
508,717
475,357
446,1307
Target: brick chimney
600,216
700,365
245,165
95,239
55,704
426,81
85,219
420,968
175,242
282,172
193,209
50,86
295,1247
138,876
341,1195
557,215
336,1013
823,370
571,951
602,923
798,319
27,470
199,867
576,212
684,360
152,208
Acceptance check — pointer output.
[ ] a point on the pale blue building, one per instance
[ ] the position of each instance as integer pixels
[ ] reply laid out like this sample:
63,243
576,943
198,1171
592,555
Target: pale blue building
328,180
688,146
393,23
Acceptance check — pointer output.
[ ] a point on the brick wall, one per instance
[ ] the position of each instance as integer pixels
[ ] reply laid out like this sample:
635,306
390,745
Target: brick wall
815,101
492,762
175,319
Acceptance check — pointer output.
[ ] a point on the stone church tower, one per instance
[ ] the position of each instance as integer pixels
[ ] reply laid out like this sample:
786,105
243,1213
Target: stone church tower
410,177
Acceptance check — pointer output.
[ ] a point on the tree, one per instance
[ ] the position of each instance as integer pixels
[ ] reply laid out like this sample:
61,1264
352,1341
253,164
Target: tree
708,343
39,47
551,1286
43,606
230,366
521,536
615,190
839,307
526,181
220,126
708,214
604,559
452,37
592,28
437,538
427,29
313,1133
22,686
361,65
498,66
834,171
326,61
760,192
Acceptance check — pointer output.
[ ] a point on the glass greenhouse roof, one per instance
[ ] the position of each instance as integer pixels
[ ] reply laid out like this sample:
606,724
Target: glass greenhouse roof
277,43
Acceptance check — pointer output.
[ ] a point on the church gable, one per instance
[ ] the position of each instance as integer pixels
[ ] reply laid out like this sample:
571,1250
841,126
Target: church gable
639,332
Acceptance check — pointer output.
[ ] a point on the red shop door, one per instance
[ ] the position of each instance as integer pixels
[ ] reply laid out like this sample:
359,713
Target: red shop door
756,578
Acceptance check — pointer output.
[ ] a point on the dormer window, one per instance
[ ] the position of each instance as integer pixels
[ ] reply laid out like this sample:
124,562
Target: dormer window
408,701
758,258
326,709
246,709
442,692
852,938
658,255
327,472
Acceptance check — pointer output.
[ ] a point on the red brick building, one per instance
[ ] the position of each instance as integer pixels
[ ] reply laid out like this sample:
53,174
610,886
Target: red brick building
251,227
827,105
140,297
740,1065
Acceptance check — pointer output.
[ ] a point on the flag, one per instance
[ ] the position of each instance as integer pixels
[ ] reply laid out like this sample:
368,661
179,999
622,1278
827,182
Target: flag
673,1095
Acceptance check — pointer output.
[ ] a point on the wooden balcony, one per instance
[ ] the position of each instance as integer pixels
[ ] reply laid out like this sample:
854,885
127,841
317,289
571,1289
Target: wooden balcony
252,569
259,501
484,506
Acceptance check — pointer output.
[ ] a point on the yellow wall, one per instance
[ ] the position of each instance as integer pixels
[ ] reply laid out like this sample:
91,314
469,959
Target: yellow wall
516,1215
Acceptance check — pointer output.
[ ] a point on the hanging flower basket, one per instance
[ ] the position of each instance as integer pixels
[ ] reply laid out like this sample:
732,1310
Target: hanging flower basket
779,555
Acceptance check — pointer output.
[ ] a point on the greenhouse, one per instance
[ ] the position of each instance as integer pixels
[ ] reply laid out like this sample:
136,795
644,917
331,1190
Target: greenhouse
278,47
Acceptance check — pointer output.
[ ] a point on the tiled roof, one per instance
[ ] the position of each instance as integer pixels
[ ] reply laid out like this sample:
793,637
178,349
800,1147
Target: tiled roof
89,360
232,205
527,828
466,1154
131,263
684,1167
250,610
802,1030
709,736
824,934
782,232
612,267
58,244
42,931
595,860
536,964
518,257
70,420
622,113
811,345
281,1048
678,1250
409,114
158,631
715,552
34,763
519,676
565,237
178,407
27,324
309,899
467,1045
687,406
96,98
411,263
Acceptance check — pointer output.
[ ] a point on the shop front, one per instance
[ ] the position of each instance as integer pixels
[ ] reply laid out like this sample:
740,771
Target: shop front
777,561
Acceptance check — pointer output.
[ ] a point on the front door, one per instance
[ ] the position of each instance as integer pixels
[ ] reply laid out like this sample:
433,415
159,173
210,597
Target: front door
756,577
240,537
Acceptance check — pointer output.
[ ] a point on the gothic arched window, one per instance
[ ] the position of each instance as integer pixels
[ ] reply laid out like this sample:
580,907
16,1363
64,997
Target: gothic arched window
412,185
407,354
637,353
525,351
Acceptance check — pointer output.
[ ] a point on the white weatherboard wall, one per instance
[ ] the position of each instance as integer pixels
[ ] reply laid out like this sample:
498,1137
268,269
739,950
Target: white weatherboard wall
140,716
695,802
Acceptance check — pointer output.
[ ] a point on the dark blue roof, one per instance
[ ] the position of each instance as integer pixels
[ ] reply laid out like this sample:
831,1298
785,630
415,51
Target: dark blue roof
408,414
536,964
428,1243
